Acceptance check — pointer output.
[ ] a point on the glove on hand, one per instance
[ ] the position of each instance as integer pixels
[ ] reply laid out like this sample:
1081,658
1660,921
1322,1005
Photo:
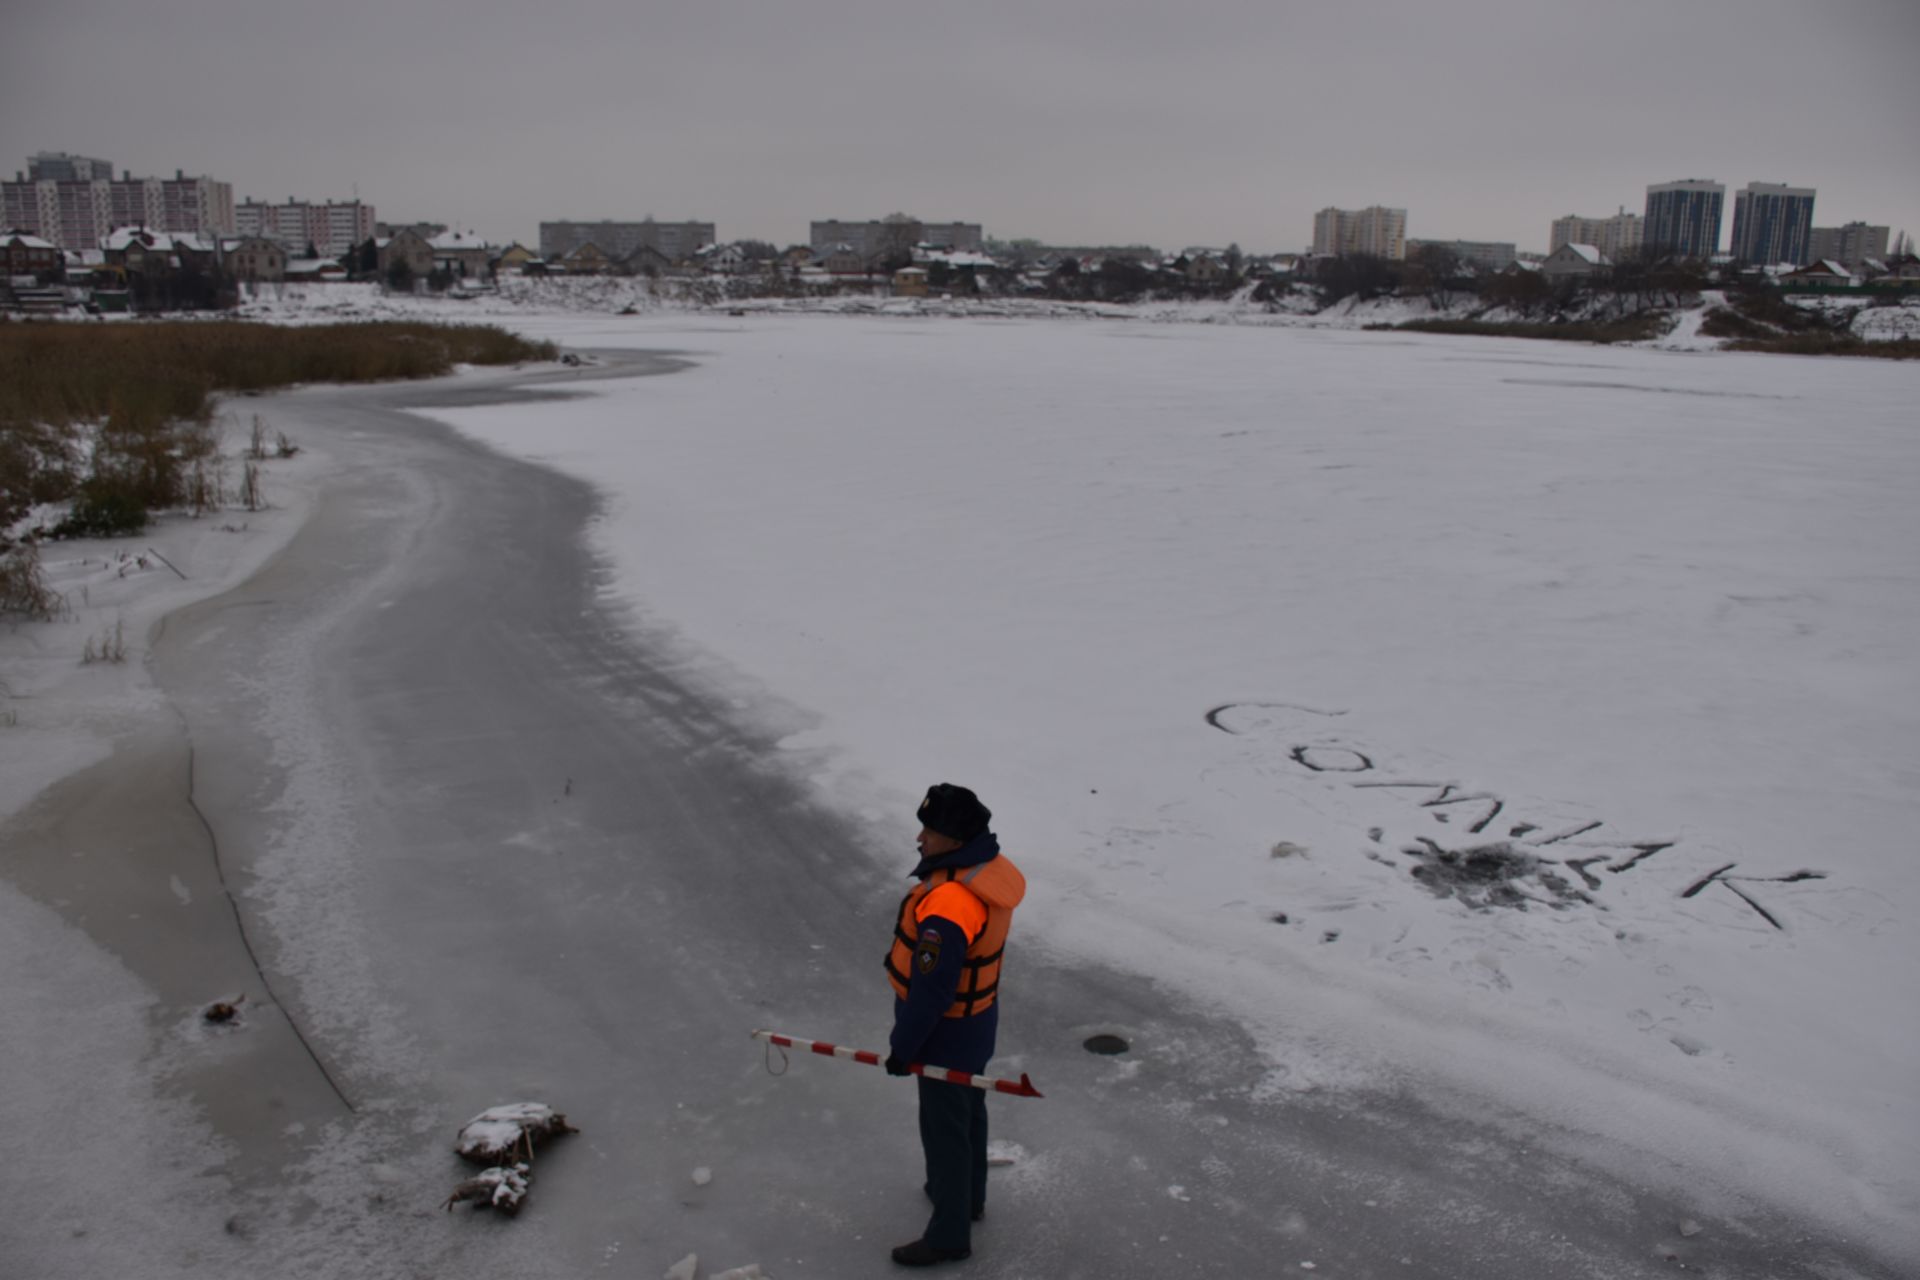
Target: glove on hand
895,1067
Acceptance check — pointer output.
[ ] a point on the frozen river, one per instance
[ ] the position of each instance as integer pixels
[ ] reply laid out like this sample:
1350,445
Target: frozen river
539,784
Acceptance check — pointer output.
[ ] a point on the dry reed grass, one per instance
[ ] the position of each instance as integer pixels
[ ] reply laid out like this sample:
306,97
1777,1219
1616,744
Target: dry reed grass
149,388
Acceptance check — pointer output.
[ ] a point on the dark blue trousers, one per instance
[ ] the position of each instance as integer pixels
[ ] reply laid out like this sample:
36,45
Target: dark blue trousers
953,1134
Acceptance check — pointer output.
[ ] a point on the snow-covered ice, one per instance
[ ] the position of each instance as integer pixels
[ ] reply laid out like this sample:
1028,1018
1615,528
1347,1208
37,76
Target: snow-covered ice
1635,626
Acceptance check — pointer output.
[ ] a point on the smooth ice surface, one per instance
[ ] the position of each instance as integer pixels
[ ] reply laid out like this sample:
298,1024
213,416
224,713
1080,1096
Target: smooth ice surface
1169,597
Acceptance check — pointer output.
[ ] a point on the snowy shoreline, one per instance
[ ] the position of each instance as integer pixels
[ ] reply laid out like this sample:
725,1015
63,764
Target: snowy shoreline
621,300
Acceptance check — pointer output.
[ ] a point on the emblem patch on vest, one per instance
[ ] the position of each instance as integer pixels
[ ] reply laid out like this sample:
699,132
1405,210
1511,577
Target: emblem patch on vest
929,953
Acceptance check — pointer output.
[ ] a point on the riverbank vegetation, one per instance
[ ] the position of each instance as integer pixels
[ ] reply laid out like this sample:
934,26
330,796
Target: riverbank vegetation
135,375
117,420
1830,344
1764,321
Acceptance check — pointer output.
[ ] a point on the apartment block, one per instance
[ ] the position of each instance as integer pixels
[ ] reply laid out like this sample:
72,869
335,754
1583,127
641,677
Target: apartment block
1773,223
73,215
176,205
331,226
1375,230
1683,218
77,213
1618,238
1849,245
953,236
197,204
895,233
675,241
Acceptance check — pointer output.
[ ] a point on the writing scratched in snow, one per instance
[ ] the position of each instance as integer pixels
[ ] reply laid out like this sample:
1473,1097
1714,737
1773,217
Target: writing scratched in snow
1509,846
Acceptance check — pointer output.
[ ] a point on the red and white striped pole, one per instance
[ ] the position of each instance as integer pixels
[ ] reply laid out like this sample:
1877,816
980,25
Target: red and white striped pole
1022,1088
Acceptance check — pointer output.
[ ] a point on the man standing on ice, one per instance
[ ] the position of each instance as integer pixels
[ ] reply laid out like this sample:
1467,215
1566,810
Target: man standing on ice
945,968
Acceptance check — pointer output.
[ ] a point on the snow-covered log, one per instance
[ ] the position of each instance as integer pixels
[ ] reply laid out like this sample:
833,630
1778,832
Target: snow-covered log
503,1187
502,1133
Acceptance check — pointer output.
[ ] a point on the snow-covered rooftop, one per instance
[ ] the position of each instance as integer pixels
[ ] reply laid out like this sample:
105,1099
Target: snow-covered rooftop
312,266
122,238
961,258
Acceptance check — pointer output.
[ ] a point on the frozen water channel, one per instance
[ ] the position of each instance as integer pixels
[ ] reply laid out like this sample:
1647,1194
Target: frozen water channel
506,822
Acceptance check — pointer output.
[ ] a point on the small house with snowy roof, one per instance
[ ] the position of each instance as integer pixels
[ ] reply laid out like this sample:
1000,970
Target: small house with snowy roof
138,251
910,282
1202,266
461,254
23,254
514,257
1824,274
588,259
120,239
404,246
725,259
645,260
842,260
1574,262
1904,266
256,259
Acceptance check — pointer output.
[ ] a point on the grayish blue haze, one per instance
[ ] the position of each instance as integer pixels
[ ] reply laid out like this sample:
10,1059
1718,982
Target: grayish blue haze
1068,120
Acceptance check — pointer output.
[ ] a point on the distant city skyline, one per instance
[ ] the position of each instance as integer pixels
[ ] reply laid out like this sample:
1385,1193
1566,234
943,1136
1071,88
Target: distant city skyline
1067,122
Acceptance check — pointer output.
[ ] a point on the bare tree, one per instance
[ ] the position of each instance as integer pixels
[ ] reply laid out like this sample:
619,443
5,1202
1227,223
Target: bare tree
1363,274
898,235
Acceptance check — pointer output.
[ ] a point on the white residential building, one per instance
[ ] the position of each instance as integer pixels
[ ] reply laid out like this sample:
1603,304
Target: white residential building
1849,245
77,213
1618,237
174,205
333,227
72,214
1375,230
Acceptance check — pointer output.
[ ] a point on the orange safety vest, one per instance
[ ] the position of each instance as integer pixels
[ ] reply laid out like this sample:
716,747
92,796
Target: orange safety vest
993,889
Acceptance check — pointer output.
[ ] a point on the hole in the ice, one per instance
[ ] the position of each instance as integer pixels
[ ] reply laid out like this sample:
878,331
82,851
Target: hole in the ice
1106,1044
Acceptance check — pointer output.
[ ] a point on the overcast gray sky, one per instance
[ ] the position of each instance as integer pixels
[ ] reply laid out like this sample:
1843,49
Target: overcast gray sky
1073,121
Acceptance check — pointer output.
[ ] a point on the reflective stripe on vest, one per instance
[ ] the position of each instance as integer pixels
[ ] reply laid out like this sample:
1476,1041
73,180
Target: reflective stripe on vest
980,979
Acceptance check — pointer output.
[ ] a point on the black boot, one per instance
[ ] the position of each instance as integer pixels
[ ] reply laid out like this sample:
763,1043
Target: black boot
922,1254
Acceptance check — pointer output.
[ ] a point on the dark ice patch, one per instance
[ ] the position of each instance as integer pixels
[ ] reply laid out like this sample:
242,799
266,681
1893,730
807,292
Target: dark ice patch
1492,875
